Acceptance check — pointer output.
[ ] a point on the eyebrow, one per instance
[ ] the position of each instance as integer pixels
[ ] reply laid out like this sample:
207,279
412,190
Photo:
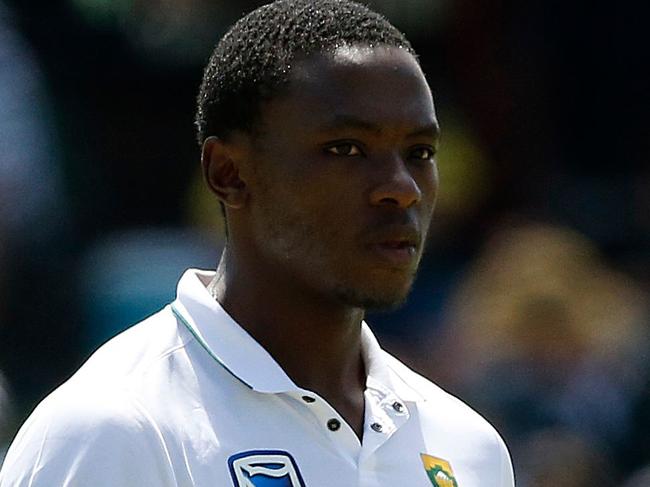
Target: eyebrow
350,121
431,130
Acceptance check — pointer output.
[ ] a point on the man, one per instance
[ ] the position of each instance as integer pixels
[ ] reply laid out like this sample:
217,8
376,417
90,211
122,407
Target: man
318,136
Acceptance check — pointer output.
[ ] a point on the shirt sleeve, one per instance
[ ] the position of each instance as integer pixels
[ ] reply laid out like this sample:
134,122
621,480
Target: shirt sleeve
92,444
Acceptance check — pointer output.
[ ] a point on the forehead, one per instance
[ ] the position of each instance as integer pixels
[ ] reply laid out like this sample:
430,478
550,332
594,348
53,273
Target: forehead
383,85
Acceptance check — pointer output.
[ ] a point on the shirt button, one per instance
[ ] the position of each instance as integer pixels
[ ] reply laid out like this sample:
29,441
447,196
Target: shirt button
333,424
308,399
399,407
376,427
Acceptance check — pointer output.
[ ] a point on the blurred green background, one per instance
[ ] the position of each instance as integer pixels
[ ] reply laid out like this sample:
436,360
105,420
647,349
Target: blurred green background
532,301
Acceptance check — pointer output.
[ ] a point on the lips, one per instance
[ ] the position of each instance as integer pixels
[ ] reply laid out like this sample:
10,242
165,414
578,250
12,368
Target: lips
398,244
397,247
395,255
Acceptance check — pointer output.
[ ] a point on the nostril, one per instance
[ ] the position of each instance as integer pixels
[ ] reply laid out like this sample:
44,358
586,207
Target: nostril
389,201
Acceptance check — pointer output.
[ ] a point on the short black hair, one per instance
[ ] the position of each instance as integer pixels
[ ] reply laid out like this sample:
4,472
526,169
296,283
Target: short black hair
253,60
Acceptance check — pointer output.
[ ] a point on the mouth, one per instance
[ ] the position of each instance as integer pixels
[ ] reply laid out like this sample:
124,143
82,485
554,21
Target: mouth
399,252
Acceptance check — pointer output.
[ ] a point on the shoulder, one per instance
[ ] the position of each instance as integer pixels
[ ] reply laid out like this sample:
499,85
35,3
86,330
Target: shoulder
136,349
92,438
448,419
94,429
432,396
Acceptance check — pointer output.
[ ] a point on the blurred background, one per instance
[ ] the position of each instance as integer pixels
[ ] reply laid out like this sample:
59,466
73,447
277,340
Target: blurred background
532,302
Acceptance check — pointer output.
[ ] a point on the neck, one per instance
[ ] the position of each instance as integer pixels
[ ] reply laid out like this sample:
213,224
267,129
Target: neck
315,340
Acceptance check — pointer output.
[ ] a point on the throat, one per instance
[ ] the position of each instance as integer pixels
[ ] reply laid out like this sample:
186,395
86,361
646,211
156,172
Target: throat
351,406
317,343
339,383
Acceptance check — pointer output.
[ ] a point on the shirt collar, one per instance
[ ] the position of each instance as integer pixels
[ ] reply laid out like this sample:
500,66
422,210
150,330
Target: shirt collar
381,376
240,354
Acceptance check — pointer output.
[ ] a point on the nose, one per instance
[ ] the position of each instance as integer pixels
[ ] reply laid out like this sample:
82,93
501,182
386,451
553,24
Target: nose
397,187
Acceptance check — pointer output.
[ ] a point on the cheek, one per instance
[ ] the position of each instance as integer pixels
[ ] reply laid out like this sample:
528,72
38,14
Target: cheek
307,209
435,180
428,184
295,225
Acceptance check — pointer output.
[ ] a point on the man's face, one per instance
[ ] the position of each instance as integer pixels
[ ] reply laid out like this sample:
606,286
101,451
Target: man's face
345,179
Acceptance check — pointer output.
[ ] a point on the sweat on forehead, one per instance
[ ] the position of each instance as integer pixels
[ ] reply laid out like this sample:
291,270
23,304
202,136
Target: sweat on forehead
253,60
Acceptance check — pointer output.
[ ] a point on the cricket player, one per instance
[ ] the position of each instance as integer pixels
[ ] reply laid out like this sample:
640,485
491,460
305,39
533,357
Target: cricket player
319,136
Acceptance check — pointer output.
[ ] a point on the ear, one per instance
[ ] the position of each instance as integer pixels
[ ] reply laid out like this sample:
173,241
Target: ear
221,170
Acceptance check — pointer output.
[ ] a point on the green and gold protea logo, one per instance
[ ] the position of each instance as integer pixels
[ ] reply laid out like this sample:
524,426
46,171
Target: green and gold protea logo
439,471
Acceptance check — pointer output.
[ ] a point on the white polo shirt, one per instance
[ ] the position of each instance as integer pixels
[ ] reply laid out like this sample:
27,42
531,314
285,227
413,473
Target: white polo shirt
188,398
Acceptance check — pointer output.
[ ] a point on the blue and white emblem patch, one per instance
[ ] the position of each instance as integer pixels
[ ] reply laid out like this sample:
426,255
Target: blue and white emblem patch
264,468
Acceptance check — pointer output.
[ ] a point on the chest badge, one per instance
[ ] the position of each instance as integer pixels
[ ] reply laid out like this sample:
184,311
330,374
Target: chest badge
264,468
439,471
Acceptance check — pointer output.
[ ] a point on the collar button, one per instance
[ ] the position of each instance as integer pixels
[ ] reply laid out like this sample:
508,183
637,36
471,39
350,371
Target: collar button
333,424
376,427
398,407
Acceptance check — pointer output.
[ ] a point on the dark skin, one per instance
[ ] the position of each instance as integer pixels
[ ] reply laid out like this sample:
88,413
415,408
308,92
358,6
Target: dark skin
328,206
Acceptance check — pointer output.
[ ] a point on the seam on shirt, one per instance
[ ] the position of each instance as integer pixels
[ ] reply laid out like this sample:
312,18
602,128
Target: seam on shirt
41,448
145,414
143,368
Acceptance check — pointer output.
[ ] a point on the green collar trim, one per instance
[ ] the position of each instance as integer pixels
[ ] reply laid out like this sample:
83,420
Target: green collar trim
198,338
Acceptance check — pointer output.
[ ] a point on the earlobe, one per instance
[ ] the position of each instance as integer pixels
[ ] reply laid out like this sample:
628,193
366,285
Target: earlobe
222,172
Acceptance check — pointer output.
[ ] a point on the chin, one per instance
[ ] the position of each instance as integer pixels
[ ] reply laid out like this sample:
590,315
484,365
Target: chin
384,305
374,299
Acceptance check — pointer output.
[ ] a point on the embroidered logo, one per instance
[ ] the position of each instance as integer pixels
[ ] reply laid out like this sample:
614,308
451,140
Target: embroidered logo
439,471
264,468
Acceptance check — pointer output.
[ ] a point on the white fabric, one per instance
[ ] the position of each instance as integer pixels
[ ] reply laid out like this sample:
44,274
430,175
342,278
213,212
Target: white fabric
188,398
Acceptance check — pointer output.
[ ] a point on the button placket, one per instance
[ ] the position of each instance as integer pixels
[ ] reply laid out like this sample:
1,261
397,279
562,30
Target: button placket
330,423
385,413
379,425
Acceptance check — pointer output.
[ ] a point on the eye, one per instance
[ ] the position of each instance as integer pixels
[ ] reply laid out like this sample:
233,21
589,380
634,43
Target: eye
346,149
423,153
